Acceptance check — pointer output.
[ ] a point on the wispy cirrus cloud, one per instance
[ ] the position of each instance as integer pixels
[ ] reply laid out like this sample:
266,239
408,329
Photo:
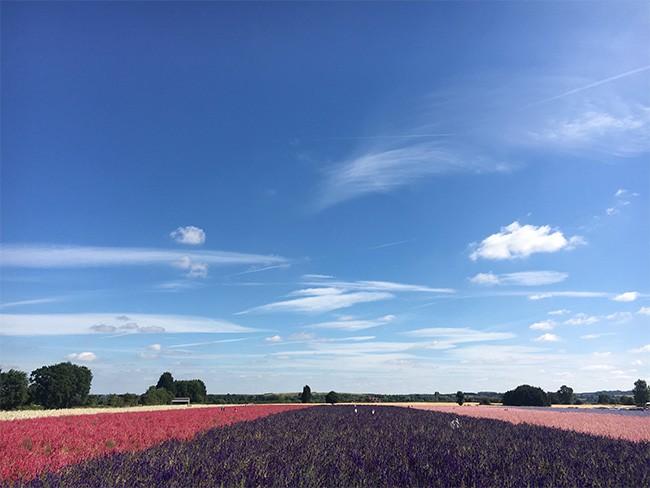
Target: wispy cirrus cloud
568,294
110,324
517,241
63,256
458,335
326,294
320,300
352,325
525,278
384,169
370,285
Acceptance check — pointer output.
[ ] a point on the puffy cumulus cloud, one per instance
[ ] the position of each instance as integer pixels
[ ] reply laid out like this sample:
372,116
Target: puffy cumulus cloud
581,319
628,296
544,325
154,347
487,279
188,235
548,338
644,311
520,241
195,269
644,349
274,339
82,357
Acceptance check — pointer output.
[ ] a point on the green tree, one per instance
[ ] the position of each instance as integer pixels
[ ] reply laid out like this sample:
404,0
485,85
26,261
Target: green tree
565,395
193,389
305,397
61,385
156,396
332,397
13,389
460,397
166,381
605,399
526,395
641,393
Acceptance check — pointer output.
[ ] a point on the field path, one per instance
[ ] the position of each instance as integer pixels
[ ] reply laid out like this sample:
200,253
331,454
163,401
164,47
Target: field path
631,427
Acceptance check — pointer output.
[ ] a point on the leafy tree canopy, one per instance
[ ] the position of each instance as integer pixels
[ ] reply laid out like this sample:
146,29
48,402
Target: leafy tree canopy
166,381
526,395
641,393
13,389
61,385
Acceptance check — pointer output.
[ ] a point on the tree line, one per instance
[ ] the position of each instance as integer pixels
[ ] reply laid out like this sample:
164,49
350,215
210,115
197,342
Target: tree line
66,385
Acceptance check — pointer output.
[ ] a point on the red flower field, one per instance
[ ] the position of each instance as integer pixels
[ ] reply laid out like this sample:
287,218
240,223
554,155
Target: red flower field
630,427
29,447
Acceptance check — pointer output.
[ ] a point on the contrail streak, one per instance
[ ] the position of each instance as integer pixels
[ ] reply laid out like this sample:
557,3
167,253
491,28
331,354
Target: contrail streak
590,85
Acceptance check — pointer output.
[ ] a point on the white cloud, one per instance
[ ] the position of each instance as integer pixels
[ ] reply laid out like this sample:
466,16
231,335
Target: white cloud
82,357
350,324
525,278
66,324
569,294
188,235
545,325
459,335
643,349
644,311
195,269
591,125
370,285
385,169
581,319
319,300
488,279
517,241
548,338
620,317
328,295
154,347
559,312
597,367
628,296
274,339
58,256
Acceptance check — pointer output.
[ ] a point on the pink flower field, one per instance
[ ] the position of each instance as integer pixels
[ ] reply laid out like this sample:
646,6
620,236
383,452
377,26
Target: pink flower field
29,447
630,427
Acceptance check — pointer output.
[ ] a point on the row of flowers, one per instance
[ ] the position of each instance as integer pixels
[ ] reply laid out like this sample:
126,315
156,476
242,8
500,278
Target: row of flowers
29,447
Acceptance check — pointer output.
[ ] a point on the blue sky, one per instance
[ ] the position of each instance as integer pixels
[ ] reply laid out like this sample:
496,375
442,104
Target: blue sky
368,197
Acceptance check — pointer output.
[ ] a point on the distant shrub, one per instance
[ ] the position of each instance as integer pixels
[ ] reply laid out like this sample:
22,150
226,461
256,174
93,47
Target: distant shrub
484,401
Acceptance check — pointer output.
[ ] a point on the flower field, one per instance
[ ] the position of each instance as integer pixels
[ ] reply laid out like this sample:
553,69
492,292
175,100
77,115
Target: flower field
29,447
369,446
630,427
